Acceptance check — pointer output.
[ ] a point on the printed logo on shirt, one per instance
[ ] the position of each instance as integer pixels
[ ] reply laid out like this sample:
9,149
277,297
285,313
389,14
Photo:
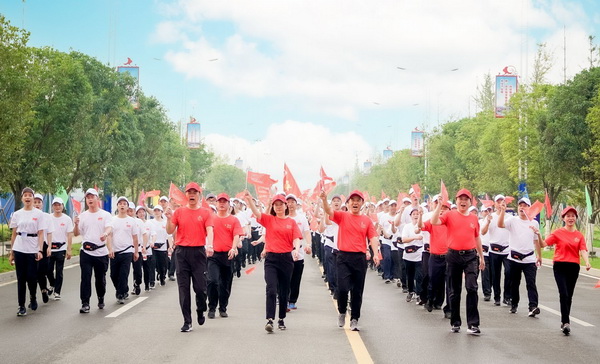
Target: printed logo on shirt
228,226
288,226
35,219
472,226
63,224
199,218
100,219
576,240
128,225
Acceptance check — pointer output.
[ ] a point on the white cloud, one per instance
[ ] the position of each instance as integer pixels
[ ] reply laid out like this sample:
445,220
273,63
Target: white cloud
339,57
303,146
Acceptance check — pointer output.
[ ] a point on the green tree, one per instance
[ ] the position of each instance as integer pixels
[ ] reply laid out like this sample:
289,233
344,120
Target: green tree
225,178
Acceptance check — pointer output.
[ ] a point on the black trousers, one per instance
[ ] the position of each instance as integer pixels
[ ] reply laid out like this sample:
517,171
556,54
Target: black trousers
497,261
56,261
278,275
99,265
138,273
396,268
529,270
43,267
437,279
191,268
172,263
402,267
296,279
351,270
467,263
425,272
330,263
414,276
220,276
119,273
149,269
565,275
486,280
26,268
255,250
162,262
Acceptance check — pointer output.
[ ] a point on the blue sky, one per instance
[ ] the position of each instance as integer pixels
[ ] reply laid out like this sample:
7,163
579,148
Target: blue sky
309,82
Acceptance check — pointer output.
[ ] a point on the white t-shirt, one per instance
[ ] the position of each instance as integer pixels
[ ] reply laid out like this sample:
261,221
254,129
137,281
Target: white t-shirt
332,232
144,229
124,228
91,228
302,223
159,228
521,238
63,225
485,239
404,220
27,222
50,227
384,221
244,220
497,235
409,232
426,235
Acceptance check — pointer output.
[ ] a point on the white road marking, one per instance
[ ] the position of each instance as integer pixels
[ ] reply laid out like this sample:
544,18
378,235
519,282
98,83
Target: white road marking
127,307
557,313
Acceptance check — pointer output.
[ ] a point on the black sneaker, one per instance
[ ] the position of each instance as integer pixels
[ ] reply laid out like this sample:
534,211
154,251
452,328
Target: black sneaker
281,324
566,329
496,302
50,291
409,297
404,290
162,282
101,304
534,311
33,304
513,309
201,318
136,290
211,314
269,326
473,330
45,297
487,298
429,306
22,311
85,308
506,302
186,327
152,285
455,328
171,278
448,315
223,314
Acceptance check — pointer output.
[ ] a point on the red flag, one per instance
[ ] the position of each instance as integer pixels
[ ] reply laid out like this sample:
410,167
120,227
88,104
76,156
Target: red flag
534,210
76,205
416,190
250,270
240,195
263,193
401,196
548,206
486,202
141,198
343,198
175,193
99,199
444,192
152,193
289,183
260,179
383,195
509,199
597,285
324,176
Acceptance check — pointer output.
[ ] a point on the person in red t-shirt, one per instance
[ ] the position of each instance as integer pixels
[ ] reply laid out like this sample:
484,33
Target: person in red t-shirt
569,244
282,243
354,231
227,231
194,226
465,255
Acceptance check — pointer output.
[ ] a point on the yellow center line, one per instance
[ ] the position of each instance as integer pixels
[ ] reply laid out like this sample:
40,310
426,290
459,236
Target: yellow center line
356,343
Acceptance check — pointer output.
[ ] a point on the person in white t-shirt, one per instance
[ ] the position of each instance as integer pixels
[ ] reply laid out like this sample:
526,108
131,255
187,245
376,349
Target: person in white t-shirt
26,243
330,234
125,244
38,203
305,248
60,246
413,250
148,265
486,282
525,254
160,243
94,225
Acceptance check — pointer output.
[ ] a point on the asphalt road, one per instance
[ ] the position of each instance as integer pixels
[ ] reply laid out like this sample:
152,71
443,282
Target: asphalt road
146,328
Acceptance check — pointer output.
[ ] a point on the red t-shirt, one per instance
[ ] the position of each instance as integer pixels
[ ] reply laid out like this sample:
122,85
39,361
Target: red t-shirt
568,244
353,231
191,225
462,230
280,233
225,229
438,242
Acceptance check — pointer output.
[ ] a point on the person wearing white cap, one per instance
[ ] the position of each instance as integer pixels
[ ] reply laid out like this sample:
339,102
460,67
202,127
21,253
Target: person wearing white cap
395,238
525,254
486,282
403,218
305,248
60,247
43,269
138,273
498,252
148,264
95,226
386,231
330,249
26,245
125,244
413,250
160,243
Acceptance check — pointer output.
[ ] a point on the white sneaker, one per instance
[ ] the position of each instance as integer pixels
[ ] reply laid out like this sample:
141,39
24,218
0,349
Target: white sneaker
56,297
342,320
354,325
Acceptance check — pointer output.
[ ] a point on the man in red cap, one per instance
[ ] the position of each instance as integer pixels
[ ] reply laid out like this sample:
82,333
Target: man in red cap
354,230
227,231
465,255
194,241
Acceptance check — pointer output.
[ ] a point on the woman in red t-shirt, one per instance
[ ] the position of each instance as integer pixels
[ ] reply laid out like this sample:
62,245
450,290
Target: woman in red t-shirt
568,245
282,242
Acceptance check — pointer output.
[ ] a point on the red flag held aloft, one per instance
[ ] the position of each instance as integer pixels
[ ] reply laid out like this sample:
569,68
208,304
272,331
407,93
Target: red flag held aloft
260,179
444,192
141,198
76,205
416,190
548,206
534,210
179,197
324,176
289,182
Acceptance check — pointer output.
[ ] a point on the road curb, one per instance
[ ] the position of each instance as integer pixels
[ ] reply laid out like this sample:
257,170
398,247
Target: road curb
12,275
592,272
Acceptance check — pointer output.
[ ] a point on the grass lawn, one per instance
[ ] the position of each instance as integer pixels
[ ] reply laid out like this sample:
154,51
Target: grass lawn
594,261
6,267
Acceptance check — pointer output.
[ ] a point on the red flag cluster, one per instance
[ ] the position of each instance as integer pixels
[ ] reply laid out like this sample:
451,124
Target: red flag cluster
262,183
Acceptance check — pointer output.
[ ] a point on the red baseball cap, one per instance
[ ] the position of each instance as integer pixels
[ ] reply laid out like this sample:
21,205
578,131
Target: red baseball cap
355,193
279,198
464,192
222,196
567,209
447,204
192,186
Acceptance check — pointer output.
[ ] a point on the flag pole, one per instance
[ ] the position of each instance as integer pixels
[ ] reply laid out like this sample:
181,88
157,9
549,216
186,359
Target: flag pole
247,178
